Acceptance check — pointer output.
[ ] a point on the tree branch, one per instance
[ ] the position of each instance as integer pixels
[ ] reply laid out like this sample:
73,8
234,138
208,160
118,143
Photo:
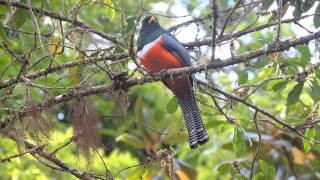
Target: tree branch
23,153
77,173
208,42
259,144
57,68
125,84
60,17
239,99
214,27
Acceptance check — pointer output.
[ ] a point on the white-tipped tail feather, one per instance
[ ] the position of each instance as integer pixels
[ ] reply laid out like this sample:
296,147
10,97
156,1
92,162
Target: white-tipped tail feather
190,110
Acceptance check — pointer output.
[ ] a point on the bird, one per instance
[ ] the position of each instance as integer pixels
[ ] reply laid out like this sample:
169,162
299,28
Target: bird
158,50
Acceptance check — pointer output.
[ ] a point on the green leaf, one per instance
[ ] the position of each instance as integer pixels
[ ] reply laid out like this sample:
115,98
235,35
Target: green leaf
263,166
141,172
3,35
316,145
265,73
294,94
306,145
209,113
110,8
224,168
307,4
280,85
310,133
271,172
4,61
139,117
213,124
172,105
238,144
19,17
259,176
305,55
243,78
3,10
291,70
268,170
296,109
132,140
266,4
316,18
224,128
107,132
202,98
315,91
318,73
130,23
76,73
172,136
298,9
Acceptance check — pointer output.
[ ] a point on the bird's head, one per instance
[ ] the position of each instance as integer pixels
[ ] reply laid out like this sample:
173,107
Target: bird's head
150,30
150,21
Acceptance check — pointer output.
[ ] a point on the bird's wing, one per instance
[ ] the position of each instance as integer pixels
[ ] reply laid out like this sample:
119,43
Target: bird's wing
172,45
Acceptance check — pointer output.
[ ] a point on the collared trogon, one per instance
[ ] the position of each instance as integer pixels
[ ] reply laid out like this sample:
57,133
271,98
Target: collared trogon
158,49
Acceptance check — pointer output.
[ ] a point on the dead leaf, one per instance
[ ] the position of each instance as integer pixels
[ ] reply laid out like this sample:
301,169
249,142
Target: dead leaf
182,175
298,156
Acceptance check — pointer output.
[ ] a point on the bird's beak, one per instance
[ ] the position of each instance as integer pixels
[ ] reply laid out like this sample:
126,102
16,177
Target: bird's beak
152,19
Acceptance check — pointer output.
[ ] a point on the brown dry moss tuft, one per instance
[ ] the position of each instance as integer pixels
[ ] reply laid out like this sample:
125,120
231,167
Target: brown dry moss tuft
85,122
34,123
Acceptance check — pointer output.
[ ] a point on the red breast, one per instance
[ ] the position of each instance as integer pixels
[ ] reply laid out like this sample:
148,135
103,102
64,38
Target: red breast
156,58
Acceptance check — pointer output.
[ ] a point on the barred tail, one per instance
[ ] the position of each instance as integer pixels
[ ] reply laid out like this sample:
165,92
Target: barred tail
202,135
190,110
188,117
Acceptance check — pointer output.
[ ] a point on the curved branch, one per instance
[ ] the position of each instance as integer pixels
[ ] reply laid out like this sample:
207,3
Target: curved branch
57,68
234,97
208,42
127,83
60,17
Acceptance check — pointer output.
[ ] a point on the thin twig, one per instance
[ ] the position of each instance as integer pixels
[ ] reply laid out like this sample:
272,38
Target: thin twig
64,18
215,103
46,164
108,172
63,146
279,20
214,28
157,157
23,153
35,23
228,17
234,97
259,144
